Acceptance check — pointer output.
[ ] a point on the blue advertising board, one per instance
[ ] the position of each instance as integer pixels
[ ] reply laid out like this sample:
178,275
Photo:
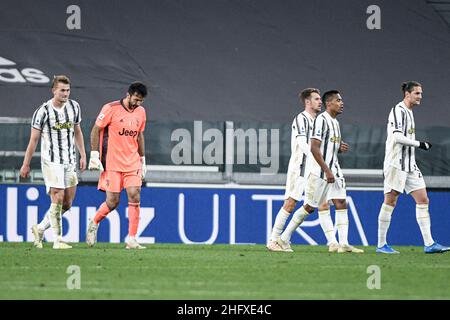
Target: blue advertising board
212,215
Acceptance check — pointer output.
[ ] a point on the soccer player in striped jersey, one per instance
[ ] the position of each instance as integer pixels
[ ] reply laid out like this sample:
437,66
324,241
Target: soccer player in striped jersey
117,145
300,139
325,181
401,172
57,123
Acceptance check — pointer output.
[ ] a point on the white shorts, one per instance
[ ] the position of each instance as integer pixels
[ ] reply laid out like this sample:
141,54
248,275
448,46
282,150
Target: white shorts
60,176
401,181
318,190
294,185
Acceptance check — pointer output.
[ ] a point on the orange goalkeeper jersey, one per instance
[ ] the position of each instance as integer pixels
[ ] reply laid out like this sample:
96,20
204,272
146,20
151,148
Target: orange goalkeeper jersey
118,137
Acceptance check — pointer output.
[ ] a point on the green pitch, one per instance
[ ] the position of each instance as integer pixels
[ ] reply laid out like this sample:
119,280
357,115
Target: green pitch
174,271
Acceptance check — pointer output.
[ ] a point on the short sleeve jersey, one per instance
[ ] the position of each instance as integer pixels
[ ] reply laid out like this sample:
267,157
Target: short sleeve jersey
327,130
57,131
119,134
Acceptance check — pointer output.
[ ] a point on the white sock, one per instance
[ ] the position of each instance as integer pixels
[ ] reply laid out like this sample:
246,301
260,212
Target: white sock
297,219
327,226
45,223
342,226
384,220
55,221
423,219
280,221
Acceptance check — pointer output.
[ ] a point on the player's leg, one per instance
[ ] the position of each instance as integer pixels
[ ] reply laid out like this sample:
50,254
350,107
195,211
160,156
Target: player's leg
55,218
132,184
394,184
342,227
384,221
315,191
423,220
294,189
280,222
327,227
288,207
338,195
70,184
422,215
111,202
111,183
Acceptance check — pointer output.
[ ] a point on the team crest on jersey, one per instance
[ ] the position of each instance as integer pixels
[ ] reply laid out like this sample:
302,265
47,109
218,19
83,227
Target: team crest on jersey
412,130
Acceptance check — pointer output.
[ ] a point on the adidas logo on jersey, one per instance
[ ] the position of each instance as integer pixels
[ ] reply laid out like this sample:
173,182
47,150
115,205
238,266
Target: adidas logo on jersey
11,74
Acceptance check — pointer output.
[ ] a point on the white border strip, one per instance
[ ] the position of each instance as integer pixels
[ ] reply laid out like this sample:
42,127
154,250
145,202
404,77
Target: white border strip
183,168
238,186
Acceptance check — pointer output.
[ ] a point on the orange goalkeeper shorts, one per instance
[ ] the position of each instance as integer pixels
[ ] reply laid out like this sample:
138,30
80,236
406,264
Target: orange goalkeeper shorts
115,181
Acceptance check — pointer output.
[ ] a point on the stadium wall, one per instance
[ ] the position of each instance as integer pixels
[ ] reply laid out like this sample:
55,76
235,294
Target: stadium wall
210,215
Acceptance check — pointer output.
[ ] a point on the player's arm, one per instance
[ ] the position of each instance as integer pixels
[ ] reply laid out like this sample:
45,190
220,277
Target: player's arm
401,139
94,159
79,142
141,151
302,144
34,140
95,138
398,128
315,150
344,147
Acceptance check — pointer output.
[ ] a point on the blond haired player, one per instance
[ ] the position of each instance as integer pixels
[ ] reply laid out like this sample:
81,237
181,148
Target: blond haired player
57,123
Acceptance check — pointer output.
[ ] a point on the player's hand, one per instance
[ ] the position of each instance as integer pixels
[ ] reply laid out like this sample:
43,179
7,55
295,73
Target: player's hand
425,146
25,171
330,176
144,168
83,163
94,162
344,147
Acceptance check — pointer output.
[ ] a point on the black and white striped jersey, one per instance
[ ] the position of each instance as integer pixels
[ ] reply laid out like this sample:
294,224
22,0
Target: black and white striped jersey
57,131
301,126
401,119
327,130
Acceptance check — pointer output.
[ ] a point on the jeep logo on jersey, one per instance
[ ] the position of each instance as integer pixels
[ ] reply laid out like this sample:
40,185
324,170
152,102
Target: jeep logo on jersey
60,126
10,73
130,133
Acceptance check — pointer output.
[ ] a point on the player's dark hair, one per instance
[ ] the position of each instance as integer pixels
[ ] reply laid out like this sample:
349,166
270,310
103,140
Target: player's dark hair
60,79
409,86
329,95
306,93
138,88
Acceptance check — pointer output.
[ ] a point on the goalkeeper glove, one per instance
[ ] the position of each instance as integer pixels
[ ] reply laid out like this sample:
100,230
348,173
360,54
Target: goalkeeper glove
144,168
94,161
425,146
